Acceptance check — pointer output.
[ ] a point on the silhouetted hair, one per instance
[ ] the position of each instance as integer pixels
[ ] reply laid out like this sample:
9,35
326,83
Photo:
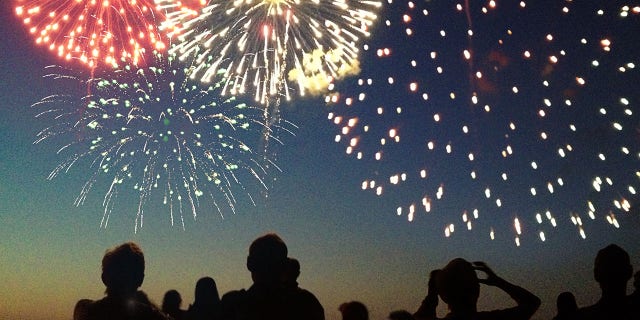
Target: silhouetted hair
206,291
457,283
267,255
354,310
612,265
566,303
123,268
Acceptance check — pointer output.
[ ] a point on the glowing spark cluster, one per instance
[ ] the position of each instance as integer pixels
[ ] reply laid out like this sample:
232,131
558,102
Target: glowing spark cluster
94,32
151,131
509,115
262,46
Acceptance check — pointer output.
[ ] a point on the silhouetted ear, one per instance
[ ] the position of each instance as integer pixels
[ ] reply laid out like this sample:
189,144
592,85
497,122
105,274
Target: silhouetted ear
141,280
250,263
103,278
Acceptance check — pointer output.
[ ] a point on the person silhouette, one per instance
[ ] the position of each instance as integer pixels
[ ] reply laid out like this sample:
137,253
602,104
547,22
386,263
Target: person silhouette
354,310
612,270
122,274
267,298
206,304
567,307
171,305
300,298
291,273
459,287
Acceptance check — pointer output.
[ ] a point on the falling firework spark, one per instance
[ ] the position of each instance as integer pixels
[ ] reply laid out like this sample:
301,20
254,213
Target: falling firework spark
501,115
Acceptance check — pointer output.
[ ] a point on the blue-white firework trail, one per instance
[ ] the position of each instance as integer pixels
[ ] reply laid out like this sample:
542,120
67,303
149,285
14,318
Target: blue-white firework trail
152,131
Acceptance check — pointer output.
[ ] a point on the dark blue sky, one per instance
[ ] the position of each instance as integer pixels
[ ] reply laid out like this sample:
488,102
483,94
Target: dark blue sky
351,243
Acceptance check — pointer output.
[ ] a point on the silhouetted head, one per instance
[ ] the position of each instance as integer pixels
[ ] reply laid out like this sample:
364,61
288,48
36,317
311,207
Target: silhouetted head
457,284
171,301
123,269
354,310
612,267
267,258
206,291
291,272
566,303
400,315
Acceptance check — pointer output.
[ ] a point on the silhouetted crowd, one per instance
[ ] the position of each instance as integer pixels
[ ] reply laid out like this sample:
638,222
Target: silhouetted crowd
275,294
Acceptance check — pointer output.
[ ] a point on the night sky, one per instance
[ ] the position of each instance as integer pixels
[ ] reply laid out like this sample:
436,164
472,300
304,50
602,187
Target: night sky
546,93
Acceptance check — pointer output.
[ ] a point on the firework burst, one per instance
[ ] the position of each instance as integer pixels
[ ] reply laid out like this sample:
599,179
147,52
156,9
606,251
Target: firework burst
499,116
262,46
150,130
94,32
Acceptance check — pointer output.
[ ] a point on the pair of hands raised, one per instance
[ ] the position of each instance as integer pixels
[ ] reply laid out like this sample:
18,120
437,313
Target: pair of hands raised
490,278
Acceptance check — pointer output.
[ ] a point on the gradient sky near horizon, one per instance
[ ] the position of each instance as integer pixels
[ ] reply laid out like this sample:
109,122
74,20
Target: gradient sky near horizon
375,245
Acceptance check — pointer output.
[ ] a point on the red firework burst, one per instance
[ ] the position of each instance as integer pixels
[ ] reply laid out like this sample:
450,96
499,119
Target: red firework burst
94,32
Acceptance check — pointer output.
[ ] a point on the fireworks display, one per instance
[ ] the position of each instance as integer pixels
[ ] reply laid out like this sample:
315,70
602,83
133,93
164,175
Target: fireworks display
493,115
499,116
94,32
269,47
151,131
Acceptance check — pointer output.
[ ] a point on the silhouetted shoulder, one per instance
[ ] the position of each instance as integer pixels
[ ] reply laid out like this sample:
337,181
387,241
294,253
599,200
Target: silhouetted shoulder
619,310
81,309
129,309
504,314
233,305
305,304
233,297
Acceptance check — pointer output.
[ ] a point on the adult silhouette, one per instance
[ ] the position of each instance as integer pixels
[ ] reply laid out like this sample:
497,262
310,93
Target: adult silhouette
122,274
459,287
206,304
567,307
612,270
354,310
268,298
171,303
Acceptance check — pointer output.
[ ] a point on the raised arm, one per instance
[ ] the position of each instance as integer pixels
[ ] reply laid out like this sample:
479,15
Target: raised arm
427,310
528,303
